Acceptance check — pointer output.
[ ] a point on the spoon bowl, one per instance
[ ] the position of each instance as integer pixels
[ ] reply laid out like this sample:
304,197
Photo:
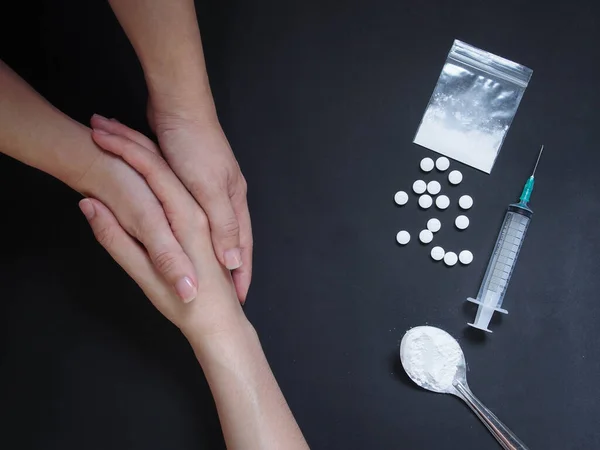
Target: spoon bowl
433,370
434,360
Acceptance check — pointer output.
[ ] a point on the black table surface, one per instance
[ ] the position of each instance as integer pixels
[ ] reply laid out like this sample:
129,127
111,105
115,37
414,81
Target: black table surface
321,101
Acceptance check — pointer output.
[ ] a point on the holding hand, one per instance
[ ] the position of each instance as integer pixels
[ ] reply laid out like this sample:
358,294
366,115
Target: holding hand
251,407
217,307
198,152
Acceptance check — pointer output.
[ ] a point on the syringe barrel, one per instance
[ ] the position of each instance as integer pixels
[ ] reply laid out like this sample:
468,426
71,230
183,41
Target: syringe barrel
504,257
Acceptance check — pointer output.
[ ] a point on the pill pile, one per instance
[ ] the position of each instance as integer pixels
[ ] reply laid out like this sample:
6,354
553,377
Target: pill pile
429,193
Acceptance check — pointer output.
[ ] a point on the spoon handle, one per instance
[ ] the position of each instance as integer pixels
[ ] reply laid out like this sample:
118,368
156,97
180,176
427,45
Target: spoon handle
501,432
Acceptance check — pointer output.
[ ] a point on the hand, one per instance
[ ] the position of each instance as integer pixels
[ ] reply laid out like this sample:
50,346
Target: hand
198,152
251,407
216,309
124,191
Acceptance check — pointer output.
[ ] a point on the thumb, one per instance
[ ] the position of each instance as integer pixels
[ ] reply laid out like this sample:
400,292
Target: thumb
225,229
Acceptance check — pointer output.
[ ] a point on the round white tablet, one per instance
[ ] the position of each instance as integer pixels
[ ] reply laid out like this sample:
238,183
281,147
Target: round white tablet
426,236
442,163
465,202
455,177
419,187
434,187
450,258
401,198
403,237
437,253
427,164
442,202
434,225
462,222
425,201
465,257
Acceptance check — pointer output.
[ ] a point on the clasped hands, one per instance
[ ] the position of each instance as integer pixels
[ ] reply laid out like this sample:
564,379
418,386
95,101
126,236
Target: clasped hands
200,162
189,243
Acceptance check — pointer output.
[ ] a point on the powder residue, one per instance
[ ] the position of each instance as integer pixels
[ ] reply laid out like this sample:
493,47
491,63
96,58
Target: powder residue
477,148
431,357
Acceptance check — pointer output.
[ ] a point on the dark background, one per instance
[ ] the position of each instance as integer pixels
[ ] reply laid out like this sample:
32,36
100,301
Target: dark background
320,100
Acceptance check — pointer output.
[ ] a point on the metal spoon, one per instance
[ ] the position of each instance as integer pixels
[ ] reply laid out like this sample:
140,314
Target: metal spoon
425,376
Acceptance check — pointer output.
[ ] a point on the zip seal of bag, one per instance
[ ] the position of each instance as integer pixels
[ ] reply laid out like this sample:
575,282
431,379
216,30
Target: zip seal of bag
472,106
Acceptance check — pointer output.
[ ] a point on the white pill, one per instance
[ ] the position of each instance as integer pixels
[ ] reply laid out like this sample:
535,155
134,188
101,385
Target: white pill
425,201
434,225
403,237
427,164
401,198
437,253
465,202
442,202
434,187
442,163
450,258
419,187
455,177
462,222
426,236
465,257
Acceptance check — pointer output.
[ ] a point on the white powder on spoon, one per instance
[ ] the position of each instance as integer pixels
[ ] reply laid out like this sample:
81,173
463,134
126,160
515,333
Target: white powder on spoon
430,357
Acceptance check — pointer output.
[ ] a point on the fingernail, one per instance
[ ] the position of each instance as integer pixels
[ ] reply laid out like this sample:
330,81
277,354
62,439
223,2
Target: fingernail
87,208
99,131
233,258
186,289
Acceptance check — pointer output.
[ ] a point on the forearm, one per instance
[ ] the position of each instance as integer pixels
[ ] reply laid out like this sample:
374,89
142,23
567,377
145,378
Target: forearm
166,38
252,409
37,134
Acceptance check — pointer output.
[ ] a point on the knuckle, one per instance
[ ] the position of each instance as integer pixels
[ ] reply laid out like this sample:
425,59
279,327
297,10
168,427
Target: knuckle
165,261
230,228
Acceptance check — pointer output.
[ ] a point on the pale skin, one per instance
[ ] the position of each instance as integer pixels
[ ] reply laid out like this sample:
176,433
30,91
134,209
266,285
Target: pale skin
166,38
181,110
251,407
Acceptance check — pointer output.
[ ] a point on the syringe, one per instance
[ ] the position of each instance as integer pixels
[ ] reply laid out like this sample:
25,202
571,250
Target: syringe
504,257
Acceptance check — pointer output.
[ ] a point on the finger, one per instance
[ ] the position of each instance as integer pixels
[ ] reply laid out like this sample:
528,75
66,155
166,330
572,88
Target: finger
182,211
115,240
113,126
242,276
224,225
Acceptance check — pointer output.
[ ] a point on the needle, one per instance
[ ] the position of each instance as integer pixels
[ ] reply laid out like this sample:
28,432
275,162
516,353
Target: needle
538,160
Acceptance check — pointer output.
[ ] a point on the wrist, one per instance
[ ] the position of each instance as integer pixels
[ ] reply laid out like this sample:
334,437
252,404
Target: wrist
82,160
231,343
184,96
167,113
95,176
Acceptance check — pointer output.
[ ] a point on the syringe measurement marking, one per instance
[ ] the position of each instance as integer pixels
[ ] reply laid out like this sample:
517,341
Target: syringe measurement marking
506,253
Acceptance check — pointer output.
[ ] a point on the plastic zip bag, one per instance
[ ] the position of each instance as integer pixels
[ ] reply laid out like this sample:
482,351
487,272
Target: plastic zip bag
472,106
